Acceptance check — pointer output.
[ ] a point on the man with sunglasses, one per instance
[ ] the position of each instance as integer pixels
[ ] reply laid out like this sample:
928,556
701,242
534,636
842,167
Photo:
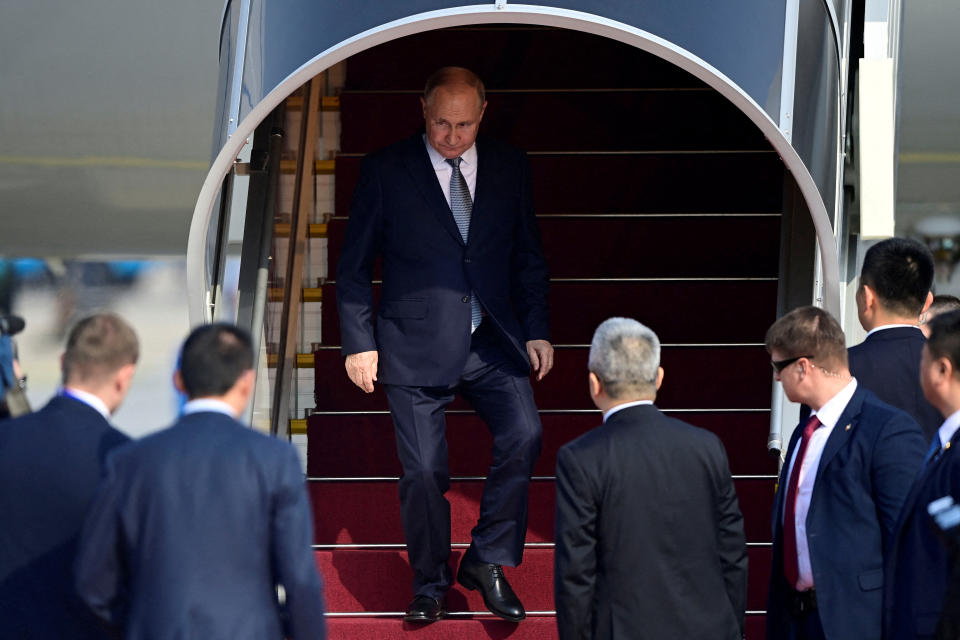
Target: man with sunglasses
847,473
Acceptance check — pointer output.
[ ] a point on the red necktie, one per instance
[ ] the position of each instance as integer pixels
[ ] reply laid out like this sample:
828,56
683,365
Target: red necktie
790,567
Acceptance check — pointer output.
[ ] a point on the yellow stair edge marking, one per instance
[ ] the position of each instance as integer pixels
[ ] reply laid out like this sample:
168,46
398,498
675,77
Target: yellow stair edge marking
308,294
298,427
282,230
304,360
320,167
327,103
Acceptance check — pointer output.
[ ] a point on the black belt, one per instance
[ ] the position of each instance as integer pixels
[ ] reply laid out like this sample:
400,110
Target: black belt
801,602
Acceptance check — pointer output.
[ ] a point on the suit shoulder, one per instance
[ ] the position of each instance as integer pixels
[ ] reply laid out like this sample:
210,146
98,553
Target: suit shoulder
877,414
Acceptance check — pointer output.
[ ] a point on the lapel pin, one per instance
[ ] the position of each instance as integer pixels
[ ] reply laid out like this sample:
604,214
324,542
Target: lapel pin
947,446
847,428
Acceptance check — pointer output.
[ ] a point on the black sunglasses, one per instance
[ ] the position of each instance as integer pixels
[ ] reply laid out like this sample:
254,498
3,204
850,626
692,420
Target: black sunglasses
780,365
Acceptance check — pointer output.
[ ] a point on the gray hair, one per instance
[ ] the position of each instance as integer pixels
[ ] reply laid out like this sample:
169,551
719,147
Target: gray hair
625,355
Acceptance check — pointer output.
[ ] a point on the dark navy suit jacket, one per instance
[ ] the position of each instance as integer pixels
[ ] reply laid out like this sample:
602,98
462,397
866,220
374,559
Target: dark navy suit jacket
888,363
50,464
919,565
193,529
862,481
650,540
422,326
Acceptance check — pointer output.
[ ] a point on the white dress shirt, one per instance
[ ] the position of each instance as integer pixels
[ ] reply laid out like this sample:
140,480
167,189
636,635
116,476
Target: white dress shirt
948,429
468,169
828,415
92,401
890,326
626,405
207,404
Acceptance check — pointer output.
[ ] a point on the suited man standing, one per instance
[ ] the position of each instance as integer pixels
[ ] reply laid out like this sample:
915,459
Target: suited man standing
195,527
649,536
919,565
463,310
847,473
894,292
50,464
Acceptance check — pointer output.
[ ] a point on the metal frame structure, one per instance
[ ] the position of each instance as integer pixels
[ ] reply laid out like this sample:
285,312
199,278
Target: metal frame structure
198,284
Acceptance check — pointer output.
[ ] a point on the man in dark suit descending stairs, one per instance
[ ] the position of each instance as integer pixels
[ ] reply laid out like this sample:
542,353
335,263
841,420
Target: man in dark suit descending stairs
650,538
50,464
463,310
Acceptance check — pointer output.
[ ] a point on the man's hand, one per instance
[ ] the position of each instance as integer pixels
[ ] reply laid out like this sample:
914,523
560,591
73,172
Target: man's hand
362,369
541,357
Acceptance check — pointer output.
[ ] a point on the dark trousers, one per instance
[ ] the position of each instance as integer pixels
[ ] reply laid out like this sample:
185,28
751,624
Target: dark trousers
501,394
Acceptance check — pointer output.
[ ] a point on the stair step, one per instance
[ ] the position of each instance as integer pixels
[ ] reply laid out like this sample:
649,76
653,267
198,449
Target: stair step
343,510
705,378
462,628
528,57
349,587
314,230
674,309
615,183
307,294
473,628
645,247
364,445
710,120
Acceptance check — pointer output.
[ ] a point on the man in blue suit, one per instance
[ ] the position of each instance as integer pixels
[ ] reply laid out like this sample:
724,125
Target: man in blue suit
894,291
195,527
463,310
847,473
919,566
50,464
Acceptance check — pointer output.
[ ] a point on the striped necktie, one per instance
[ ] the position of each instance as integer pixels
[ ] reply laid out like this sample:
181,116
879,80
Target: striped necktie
462,206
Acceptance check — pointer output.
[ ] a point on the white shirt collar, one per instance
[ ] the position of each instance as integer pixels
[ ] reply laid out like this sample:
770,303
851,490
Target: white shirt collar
831,411
207,404
626,405
949,428
469,157
890,326
92,401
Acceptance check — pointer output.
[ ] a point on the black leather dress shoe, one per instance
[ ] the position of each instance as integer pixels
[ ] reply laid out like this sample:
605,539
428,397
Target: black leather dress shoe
424,609
497,594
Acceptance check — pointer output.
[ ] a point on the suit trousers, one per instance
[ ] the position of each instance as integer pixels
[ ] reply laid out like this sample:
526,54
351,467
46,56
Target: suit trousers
501,394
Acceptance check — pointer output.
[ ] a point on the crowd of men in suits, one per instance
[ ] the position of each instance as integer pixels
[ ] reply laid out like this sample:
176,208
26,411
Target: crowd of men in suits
186,533
191,532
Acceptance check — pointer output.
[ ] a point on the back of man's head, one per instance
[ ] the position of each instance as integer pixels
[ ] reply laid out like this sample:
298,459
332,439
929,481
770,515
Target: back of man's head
944,340
900,273
213,358
809,332
97,348
625,356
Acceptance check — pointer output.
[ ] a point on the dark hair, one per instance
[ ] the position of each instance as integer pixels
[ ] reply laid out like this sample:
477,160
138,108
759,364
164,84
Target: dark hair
941,304
454,75
900,272
97,347
944,340
213,358
809,331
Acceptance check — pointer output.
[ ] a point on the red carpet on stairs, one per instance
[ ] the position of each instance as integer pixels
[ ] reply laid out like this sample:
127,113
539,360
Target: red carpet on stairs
657,200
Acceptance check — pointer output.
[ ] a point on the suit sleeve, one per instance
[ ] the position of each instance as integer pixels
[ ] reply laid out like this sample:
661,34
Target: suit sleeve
293,559
99,570
732,541
361,246
530,279
897,457
575,558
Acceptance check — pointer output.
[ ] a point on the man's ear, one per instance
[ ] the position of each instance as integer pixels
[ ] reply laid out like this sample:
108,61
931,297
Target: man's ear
659,377
869,297
178,382
596,387
423,106
124,377
926,305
